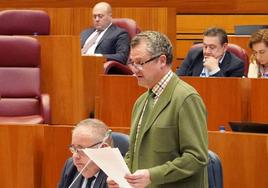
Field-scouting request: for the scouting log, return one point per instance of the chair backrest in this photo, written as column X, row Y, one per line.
column 235, row 49
column 20, row 80
column 113, row 67
column 121, row 141
column 215, row 177
column 128, row 24
column 24, row 22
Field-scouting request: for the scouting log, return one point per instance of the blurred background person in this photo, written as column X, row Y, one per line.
column 258, row 42
column 105, row 38
column 213, row 59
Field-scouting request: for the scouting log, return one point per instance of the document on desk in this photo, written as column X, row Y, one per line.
column 111, row 162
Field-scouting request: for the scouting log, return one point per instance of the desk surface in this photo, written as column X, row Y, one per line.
column 37, row 153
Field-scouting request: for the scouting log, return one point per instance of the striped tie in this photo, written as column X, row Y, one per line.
column 91, row 42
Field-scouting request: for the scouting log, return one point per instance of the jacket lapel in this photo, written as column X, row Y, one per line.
column 161, row 104
column 78, row 182
column 106, row 34
column 136, row 118
column 99, row 181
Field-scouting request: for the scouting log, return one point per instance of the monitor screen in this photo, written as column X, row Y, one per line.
column 251, row 127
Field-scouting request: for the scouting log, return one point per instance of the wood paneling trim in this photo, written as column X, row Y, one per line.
column 196, row 24
column 181, row 6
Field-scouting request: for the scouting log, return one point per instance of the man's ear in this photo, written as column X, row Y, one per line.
column 225, row 45
column 104, row 145
column 163, row 60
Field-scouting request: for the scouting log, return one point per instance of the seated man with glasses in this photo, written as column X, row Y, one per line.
column 168, row 138
column 89, row 133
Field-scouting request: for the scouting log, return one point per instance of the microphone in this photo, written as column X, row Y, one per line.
column 108, row 134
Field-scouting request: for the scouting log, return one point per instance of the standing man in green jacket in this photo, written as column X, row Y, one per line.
column 168, row 138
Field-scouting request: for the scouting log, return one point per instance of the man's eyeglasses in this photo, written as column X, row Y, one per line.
column 78, row 149
column 140, row 65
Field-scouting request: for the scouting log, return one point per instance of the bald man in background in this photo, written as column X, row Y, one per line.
column 105, row 38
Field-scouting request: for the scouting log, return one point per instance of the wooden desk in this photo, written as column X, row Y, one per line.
column 225, row 99
column 116, row 97
column 62, row 77
column 68, row 78
column 258, row 109
column 55, row 152
column 21, row 156
column 34, row 155
column 92, row 68
column 244, row 158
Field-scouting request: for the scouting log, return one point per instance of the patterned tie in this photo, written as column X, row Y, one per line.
column 89, row 181
column 91, row 42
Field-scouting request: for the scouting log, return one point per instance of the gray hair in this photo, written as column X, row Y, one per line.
column 156, row 42
column 96, row 128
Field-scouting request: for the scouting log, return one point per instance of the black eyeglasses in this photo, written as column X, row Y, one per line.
column 140, row 65
column 78, row 150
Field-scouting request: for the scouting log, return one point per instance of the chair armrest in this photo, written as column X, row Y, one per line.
column 114, row 67
column 45, row 107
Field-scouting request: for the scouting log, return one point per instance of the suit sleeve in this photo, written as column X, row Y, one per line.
column 62, row 182
column 184, row 69
column 193, row 148
column 236, row 69
column 122, row 46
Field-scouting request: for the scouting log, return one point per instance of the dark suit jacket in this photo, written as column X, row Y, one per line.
column 70, row 172
column 231, row 66
column 114, row 44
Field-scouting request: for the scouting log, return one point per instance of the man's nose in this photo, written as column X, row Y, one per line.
column 76, row 156
column 207, row 50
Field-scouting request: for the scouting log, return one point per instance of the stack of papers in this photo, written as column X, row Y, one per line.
column 111, row 162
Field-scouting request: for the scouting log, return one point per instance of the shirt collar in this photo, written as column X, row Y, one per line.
column 161, row 85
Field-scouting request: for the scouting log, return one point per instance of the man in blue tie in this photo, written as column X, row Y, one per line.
column 213, row 60
column 89, row 133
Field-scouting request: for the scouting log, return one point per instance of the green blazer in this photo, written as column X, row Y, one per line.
column 173, row 143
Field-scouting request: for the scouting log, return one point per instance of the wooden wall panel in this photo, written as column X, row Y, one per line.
column 182, row 6
column 196, row 24
column 73, row 20
column 229, row 103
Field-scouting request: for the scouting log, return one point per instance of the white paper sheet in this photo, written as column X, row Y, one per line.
column 111, row 162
